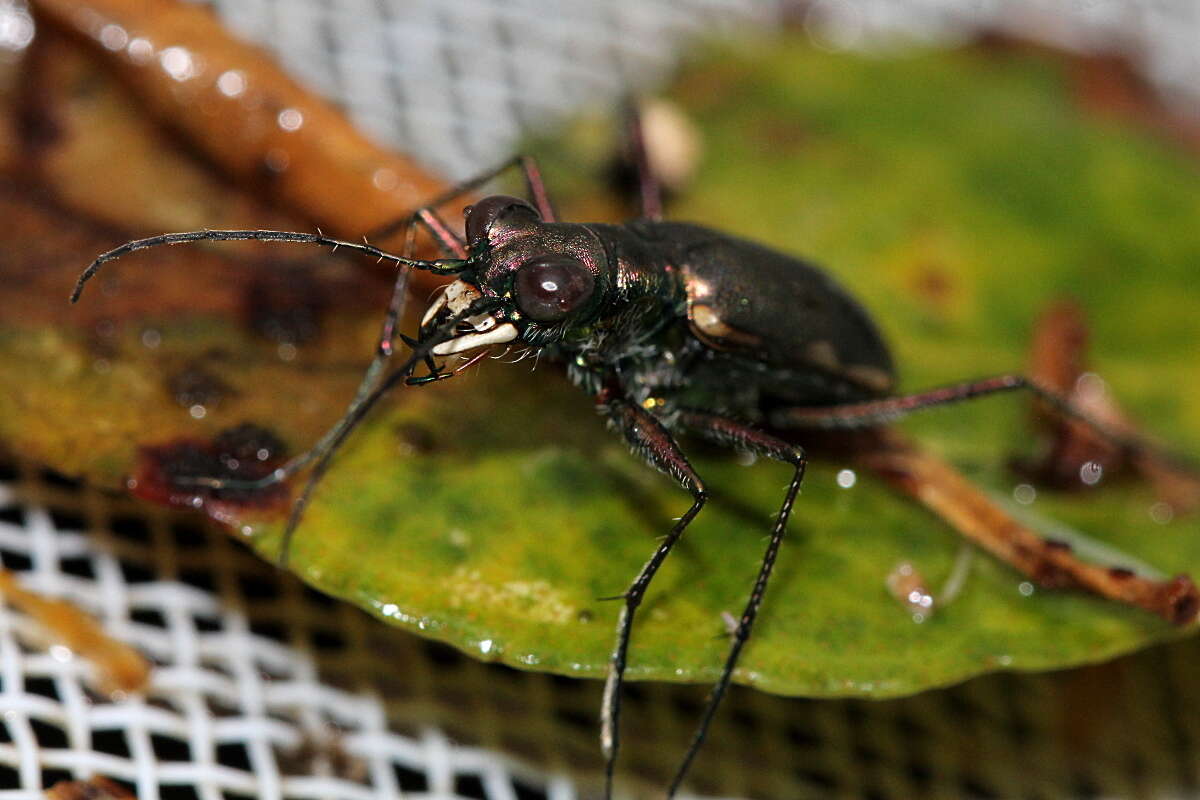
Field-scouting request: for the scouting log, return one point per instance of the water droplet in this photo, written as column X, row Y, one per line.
column 1025, row 588
column 385, row 179
column 846, row 478
column 140, row 50
column 485, row 646
column 1091, row 473
column 290, row 119
column 114, row 37
column 16, row 27
column 1024, row 494
column 198, row 411
column 287, row 351
column 231, row 83
column 178, row 63
column 151, row 338
column 1162, row 513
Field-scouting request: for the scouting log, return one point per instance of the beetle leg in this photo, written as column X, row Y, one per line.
column 533, row 181
column 879, row 412
column 651, row 440
column 649, row 189
column 731, row 433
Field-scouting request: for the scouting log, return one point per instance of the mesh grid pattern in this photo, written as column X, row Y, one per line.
column 265, row 689
column 228, row 710
column 456, row 83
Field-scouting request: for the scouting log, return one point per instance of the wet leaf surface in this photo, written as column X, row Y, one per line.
column 957, row 195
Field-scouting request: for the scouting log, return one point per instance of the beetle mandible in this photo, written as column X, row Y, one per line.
column 671, row 327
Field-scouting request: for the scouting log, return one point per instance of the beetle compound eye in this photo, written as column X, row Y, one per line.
column 481, row 215
column 550, row 287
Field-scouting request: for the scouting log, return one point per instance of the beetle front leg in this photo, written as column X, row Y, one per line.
column 649, row 439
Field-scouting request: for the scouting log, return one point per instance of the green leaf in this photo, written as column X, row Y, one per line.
column 956, row 194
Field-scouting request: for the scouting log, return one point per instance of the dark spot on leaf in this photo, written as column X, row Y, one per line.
column 249, row 442
column 194, row 385
column 417, row 438
column 286, row 306
column 171, row 473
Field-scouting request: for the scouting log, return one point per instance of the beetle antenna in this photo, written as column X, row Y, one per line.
column 445, row 266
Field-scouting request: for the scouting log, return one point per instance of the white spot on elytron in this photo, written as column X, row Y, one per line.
column 1162, row 513
column 1024, row 494
column 485, row 646
column 140, row 50
column 846, row 478
column 287, row 351
column 1025, row 588
column 1091, row 473
column 385, row 179
column 114, row 37
column 151, row 338
column 262, row 454
column 198, row 411
column 290, row 119
column 61, row 653
column 231, row 83
column 178, row 63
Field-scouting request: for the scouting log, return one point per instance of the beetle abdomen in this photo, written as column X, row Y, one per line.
column 748, row 299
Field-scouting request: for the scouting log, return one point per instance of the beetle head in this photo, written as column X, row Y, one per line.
column 546, row 280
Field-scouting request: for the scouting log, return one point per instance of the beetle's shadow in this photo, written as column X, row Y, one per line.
column 657, row 515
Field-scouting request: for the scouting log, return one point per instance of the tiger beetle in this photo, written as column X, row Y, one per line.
column 670, row 327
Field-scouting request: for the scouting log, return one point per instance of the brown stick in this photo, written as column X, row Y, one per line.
column 1058, row 360
column 235, row 105
column 1050, row 563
